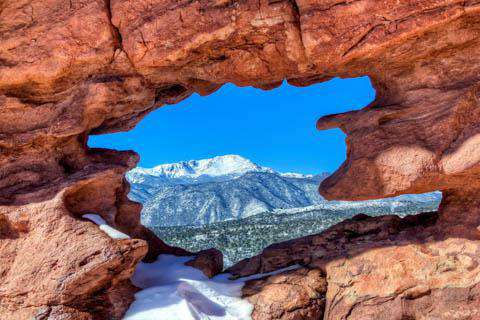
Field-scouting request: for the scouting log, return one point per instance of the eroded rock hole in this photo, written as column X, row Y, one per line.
column 241, row 204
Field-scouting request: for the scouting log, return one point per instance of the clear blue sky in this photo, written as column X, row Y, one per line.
column 272, row 128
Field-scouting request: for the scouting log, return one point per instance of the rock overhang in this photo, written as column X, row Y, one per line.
column 147, row 54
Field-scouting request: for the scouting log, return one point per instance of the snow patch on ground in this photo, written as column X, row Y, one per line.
column 174, row 291
column 102, row 224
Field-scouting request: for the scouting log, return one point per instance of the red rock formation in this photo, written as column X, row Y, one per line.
column 69, row 69
column 209, row 261
column 383, row 268
column 296, row 294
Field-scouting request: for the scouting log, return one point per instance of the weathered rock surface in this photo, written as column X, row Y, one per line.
column 296, row 294
column 54, row 261
column 419, row 267
column 69, row 69
column 209, row 261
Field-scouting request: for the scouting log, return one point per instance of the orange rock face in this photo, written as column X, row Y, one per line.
column 382, row 268
column 209, row 261
column 69, row 69
column 296, row 294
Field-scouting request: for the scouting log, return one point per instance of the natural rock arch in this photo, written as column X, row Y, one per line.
column 71, row 69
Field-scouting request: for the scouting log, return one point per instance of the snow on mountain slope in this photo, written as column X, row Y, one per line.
column 199, row 192
column 222, row 188
column 219, row 168
column 252, row 193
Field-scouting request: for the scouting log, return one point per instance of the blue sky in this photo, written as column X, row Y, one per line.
column 273, row 128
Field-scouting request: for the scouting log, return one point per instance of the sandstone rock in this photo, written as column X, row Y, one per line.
column 417, row 267
column 61, row 313
column 51, row 258
column 209, row 261
column 69, row 69
column 296, row 294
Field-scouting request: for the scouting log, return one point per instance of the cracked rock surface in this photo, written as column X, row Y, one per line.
column 69, row 69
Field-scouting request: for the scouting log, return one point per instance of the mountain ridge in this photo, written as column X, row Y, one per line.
column 219, row 168
column 198, row 192
column 230, row 187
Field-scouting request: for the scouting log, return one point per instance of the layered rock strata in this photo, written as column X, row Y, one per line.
column 69, row 69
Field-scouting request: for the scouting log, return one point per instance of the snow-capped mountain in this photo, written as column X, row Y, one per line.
column 219, row 168
column 217, row 189
column 199, row 192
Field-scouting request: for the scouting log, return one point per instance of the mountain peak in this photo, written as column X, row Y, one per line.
column 225, row 164
column 220, row 167
column 216, row 166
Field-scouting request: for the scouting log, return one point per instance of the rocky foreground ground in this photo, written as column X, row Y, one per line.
column 369, row 268
column 69, row 69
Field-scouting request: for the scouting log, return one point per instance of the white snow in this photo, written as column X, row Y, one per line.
column 102, row 224
column 227, row 187
column 296, row 175
column 174, row 291
column 218, row 168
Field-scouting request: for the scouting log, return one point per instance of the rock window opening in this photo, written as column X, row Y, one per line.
column 263, row 161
